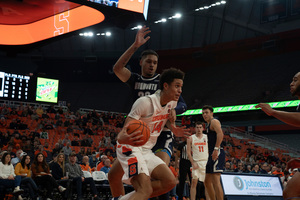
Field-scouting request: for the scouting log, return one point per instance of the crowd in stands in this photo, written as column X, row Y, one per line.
column 56, row 148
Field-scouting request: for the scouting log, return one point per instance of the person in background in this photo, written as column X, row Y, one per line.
column 76, row 174
column 85, row 166
column 107, row 166
column 23, row 169
column 18, row 157
column 42, row 176
column 101, row 164
column 59, row 173
column 8, row 177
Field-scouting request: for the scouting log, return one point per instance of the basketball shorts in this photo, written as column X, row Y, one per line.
column 200, row 172
column 164, row 143
column 217, row 166
column 136, row 160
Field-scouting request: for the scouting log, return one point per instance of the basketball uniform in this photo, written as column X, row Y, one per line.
column 200, row 156
column 142, row 86
column 136, row 160
column 217, row 166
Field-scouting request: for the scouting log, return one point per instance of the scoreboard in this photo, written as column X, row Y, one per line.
column 14, row 86
column 18, row 87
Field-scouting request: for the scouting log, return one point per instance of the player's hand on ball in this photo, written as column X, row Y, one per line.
column 131, row 139
column 181, row 131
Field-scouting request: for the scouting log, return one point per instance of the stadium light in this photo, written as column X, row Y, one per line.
column 177, row 16
column 108, row 34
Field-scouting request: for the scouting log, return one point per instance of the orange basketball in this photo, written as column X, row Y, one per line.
column 138, row 125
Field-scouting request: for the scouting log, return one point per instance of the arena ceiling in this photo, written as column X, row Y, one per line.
column 230, row 21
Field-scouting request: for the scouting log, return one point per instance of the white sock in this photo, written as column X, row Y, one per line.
column 127, row 196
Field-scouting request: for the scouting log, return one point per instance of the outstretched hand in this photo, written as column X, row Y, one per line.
column 266, row 108
column 140, row 36
column 181, row 131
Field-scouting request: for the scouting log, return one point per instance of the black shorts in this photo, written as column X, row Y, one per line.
column 217, row 166
column 164, row 143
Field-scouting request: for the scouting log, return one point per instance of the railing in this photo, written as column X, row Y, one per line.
column 265, row 142
column 14, row 104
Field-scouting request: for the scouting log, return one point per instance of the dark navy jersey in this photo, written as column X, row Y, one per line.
column 142, row 86
column 212, row 138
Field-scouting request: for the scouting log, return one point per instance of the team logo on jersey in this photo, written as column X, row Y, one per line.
column 132, row 167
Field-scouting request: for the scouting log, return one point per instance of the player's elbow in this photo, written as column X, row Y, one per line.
column 116, row 69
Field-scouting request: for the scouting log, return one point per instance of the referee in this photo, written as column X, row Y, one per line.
column 184, row 167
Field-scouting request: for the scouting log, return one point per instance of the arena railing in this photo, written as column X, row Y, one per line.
column 261, row 141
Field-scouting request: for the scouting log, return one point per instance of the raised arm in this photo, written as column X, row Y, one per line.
column 119, row 68
column 291, row 118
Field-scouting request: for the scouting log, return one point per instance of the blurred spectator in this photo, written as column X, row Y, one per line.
column 228, row 167
column 67, row 150
column 107, row 166
column 101, row 164
column 19, row 156
column 240, row 168
column 264, row 169
column 66, row 140
column 85, row 166
column 255, row 169
column 56, row 149
column 278, row 171
column 41, row 150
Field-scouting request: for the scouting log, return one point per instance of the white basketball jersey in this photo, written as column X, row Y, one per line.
column 200, row 148
column 153, row 114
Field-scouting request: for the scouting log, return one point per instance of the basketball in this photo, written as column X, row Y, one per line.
column 138, row 125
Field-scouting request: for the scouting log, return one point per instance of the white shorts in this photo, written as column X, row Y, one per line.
column 136, row 160
column 200, row 172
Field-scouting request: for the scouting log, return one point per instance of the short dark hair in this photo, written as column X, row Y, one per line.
column 199, row 123
column 168, row 76
column 148, row 52
column 209, row 107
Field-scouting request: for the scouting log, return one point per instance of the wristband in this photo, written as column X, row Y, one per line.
column 216, row 148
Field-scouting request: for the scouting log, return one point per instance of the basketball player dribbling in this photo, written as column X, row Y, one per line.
column 144, row 84
column 292, row 190
column 197, row 144
column 216, row 160
column 140, row 163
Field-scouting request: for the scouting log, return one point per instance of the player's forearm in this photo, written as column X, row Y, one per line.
column 190, row 158
column 125, row 57
column 291, row 118
column 220, row 136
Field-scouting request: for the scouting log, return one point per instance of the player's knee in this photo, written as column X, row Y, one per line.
column 194, row 184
